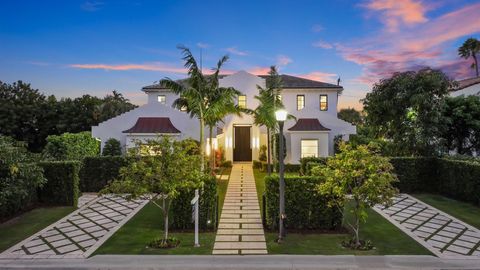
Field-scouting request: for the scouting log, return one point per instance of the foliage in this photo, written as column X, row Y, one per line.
column 19, row 177
column 351, row 116
column 360, row 174
column 62, row 186
column 461, row 116
column 277, row 147
column 30, row 116
column 415, row 174
column 200, row 94
column 226, row 164
column 159, row 173
column 304, row 170
column 97, row 172
column 257, row 164
column 164, row 243
column 112, row 147
column 406, row 110
column 71, row 146
column 305, row 208
column 470, row 48
column 262, row 156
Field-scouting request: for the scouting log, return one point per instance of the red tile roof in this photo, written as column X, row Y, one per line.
column 153, row 125
column 308, row 124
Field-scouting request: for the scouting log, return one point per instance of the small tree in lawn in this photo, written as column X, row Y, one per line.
column 160, row 168
column 357, row 174
column 112, row 148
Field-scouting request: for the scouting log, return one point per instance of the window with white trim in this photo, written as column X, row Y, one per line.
column 242, row 101
column 300, row 102
column 162, row 99
column 308, row 148
column 323, row 102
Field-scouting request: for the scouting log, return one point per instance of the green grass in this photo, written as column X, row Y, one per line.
column 466, row 212
column 21, row 227
column 146, row 225
column 222, row 188
column 260, row 185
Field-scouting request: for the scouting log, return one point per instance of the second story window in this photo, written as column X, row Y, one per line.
column 300, row 102
column 323, row 102
column 242, row 101
column 162, row 99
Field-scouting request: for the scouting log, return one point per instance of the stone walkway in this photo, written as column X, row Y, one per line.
column 442, row 234
column 240, row 230
column 80, row 233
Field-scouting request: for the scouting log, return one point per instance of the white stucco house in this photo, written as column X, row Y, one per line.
column 467, row 87
column 313, row 103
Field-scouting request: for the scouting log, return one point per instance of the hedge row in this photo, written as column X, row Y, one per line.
column 182, row 209
column 456, row 179
column 293, row 168
column 97, row 172
column 307, row 163
column 305, row 208
column 62, row 186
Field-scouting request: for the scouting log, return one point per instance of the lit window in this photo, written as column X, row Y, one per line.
column 242, row 101
column 279, row 97
column 300, row 102
column 309, row 148
column 323, row 102
column 162, row 99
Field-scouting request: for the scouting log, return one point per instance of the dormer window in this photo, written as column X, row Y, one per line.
column 242, row 101
column 323, row 102
column 300, row 102
column 162, row 99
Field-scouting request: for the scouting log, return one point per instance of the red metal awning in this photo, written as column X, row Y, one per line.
column 308, row 124
column 153, row 125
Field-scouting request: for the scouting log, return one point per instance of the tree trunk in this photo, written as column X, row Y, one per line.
column 212, row 151
column 274, row 152
column 269, row 153
column 357, row 226
column 165, row 219
column 476, row 63
column 202, row 143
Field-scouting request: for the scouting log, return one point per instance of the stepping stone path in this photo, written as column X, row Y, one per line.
column 442, row 234
column 80, row 233
column 240, row 230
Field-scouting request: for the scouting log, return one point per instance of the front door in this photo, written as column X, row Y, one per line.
column 242, row 150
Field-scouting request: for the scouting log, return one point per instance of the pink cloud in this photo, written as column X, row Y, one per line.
column 122, row 67
column 320, row 76
column 322, row 44
column 259, row 70
column 395, row 12
column 234, row 50
column 283, row 60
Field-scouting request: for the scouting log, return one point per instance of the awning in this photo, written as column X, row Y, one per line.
column 153, row 125
column 308, row 124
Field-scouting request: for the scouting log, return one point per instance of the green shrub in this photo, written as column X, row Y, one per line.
column 290, row 168
column 112, row 147
column 97, row 172
column 226, row 164
column 182, row 209
column 304, row 161
column 262, row 156
column 19, row 178
column 257, row 164
column 62, row 186
column 304, row 207
column 415, row 174
column 71, row 146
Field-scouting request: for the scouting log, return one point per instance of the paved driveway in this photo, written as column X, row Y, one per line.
column 442, row 234
column 79, row 234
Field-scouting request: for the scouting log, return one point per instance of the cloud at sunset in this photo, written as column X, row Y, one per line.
column 235, row 51
column 320, row 76
column 395, row 13
column 322, row 44
column 123, row 67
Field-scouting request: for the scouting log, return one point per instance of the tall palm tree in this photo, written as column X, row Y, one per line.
column 269, row 101
column 470, row 48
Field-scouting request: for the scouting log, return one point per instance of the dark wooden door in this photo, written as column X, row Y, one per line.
column 242, row 150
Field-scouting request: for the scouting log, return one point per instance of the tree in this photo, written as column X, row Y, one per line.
column 470, row 48
column 160, row 168
column 406, row 110
column 112, row 147
column 195, row 94
column 113, row 105
column 461, row 117
column 360, row 175
column 19, row 177
column 269, row 99
column 350, row 115
column 71, row 146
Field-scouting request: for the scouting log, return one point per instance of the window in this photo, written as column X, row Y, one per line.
column 242, row 101
column 279, row 97
column 162, row 99
column 323, row 102
column 309, row 148
column 300, row 102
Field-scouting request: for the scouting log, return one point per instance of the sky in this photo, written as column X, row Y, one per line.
column 71, row 48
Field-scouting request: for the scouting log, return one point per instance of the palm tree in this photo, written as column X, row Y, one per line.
column 269, row 101
column 199, row 93
column 470, row 48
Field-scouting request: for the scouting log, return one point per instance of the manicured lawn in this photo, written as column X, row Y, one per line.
column 146, row 225
column 222, row 188
column 21, row 227
column 260, row 185
column 466, row 212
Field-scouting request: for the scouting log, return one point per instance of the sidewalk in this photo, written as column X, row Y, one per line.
column 244, row 262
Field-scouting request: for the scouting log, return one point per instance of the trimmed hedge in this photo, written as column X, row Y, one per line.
column 62, row 186
column 97, row 172
column 304, row 163
column 306, row 209
column 456, row 179
column 257, row 164
column 182, row 210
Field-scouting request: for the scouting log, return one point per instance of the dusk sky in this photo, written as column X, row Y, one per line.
column 71, row 48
